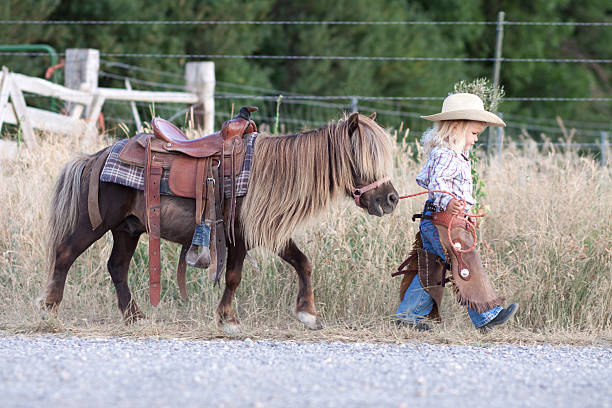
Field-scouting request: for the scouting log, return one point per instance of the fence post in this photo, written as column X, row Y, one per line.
column 200, row 79
column 498, row 47
column 137, row 121
column 354, row 105
column 20, row 108
column 499, row 40
column 4, row 94
column 81, row 72
column 500, row 138
column 603, row 147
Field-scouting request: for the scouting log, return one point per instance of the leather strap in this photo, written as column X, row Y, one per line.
column 93, row 206
column 180, row 272
column 219, row 240
column 210, row 220
column 153, row 174
column 230, row 222
column 201, row 167
column 403, row 268
column 445, row 218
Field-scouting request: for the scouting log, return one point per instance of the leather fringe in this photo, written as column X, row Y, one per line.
column 411, row 264
column 479, row 307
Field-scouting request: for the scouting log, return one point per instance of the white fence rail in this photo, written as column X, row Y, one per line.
column 84, row 99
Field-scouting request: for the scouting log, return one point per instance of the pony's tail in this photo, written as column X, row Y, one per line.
column 64, row 205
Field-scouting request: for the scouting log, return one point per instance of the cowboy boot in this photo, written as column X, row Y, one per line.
column 198, row 257
column 198, row 254
column 503, row 316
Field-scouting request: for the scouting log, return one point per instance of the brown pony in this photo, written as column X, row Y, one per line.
column 293, row 179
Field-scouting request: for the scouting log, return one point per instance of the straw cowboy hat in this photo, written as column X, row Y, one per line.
column 465, row 106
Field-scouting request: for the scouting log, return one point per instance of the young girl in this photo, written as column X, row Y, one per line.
column 448, row 168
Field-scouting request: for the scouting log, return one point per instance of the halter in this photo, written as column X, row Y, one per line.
column 359, row 191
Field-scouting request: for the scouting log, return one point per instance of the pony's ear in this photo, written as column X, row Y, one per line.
column 353, row 122
column 373, row 115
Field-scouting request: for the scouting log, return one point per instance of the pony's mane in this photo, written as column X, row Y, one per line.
column 295, row 177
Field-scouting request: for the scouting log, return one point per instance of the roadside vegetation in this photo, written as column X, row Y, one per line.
column 546, row 244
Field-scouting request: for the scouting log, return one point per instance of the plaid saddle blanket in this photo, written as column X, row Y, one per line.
column 115, row 171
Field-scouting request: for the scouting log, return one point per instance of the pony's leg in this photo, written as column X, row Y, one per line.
column 226, row 319
column 65, row 255
column 305, row 308
column 70, row 246
column 124, row 245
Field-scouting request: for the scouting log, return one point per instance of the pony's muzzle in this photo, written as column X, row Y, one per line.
column 392, row 199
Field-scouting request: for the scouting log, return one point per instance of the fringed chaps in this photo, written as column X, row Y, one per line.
column 477, row 292
column 430, row 269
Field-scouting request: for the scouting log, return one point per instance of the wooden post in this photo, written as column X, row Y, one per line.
column 128, row 86
column 81, row 72
column 4, row 94
column 498, row 48
column 354, row 104
column 603, row 148
column 500, row 138
column 20, row 108
column 200, row 80
column 499, row 40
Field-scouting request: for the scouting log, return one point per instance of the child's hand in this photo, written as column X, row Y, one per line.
column 455, row 207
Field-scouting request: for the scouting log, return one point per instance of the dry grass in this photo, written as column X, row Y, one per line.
column 547, row 245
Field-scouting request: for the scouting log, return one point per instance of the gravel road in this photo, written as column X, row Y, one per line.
column 49, row 371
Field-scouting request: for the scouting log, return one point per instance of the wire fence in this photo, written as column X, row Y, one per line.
column 297, row 111
column 250, row 22
column 308, row 110
column 324, row 57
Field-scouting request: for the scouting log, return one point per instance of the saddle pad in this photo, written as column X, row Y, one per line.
column 118, row 172
column 242, row 180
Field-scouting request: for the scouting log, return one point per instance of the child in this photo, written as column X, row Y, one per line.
column 448, row 168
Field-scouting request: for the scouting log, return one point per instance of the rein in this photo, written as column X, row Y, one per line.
column 472, row 227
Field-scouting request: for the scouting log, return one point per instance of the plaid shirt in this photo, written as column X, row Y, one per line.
column 447, row 170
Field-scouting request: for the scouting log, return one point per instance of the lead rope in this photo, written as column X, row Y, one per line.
column 453, row 216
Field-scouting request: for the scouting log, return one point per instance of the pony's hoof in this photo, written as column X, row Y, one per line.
column 130, row 318
column 45, row 307
column 309, row 320
column 40, row 302
column 132, row 313
column 48, row 315
column 230, row 328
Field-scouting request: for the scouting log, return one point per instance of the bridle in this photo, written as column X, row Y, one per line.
column 359, row 191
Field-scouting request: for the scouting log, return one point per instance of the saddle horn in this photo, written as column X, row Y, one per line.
column 245, row 112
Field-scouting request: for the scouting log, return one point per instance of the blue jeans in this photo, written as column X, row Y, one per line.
column 417, row 303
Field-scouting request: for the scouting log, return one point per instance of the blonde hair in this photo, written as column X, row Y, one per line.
column 445, row 133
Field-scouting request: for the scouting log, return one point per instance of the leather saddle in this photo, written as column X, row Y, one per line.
column 197, row 168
